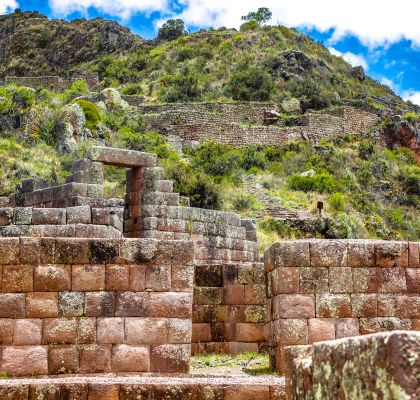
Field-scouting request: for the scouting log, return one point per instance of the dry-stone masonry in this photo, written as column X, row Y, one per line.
column 377, row 366
column 242, row 124
column 329, row 289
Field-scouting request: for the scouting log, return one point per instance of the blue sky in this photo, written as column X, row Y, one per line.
column 383, row 37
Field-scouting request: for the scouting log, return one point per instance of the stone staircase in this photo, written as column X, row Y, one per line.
column 272, row 205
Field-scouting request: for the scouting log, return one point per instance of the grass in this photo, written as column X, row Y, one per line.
column 253, row 364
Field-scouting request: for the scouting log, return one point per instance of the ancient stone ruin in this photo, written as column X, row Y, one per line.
column 117, row 287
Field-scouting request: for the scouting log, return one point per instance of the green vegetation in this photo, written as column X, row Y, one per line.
column 91, row 113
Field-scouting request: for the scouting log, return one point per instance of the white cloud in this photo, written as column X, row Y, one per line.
column 123, row 9
column 351, row 58
column 412, row 95
column 8, row 5
column 375, row 22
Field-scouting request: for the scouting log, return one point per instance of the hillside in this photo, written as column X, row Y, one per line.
column 31, row 44
column 369, row 180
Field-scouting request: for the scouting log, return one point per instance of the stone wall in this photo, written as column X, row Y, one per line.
column 241, row 124
column 229, row 308
column 378, row 366
column 54, row 82
column 329, row 289
column 95, row 306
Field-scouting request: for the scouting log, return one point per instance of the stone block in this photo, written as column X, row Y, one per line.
column 230, row 274
column 12, row 305
column 393, row 280
column 101, row 391
column 95, row 359
column 170, row 305
column 340, row 280
column 101, row 216
column 18, row 278
column 247, row 392
column 45, row 391
column 42, row 305
column 146, row 331
column 179, row 331
column 364, row 305
column 375, row 325
column 413, row 280
column 361, row 253
column 387, row 305
column 255, row 294
column 293, row 306
column 110, row 330
column 24, row 360
column 321, row 329
column 59, row 331
column 209, row 275
column 6, row 331
column 287, row 254
column 233, row 294
column 242, row 347
column 127, row 358
column 158, row 278
column 29, row 250
column 367, row 280
column 27, row 332
column 250, row 332
column 172, row 358
column 6, row 216
column 104, row 251
column 254, row 314
column 285, row 280
column 22, row 216
column 182, row 278
column 391, row 254
column 313, row 280
column 175, row 253
column 71, row 251
column 207, row 295
column 86, row 331
column 333, row 306
column 117, row 277
column 288, row 332
column 414, row 255
column 346, row 327
column 201, row 332
column 407, row 306
column 71, row 304
column 79, row 215
column 87, row 278
column 63, row 360
column 132, row 304
column 328, row 253
column 121, row 157
column 100, row 304
column 49, row 216
column 137, row 278
column 52, row 278
column 16, row 391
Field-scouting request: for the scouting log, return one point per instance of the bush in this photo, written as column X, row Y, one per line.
column 337, row 201
column 181, row 87
column 78, row 88
column 250, row 84
column 93, row 117
column 411, row 117
column 410, row 178
column 132, row 89
column 243, row 202
column 253, row 157
column 323, row 182
column 249, row 26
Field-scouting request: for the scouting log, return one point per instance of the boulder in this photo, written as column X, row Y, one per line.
column 359, row 73
column 112, row 99
column 71, row 128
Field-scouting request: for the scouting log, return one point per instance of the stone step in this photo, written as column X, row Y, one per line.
column 165, row 186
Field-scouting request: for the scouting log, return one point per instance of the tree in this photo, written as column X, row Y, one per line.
column 172, row 29
column 261, row 16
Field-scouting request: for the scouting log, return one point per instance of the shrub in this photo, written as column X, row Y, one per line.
column 182, row 87
column 253, row 157
column 243, row 202
column 132, row 89
column 337, row 201
column 410, row 178
column 78, row 88
column 249, row 26
column 411, row 117
column 92, row 114
column 323, row 182
column 250, row 84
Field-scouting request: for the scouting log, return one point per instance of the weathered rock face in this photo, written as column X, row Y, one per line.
column 112, row 99
column 71, row 128
column 359, row 73
column 379, row 366
column 291, row 106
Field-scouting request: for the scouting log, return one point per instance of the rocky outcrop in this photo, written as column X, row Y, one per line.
column 380, row 366
column 359, row 73
column 71, row 128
